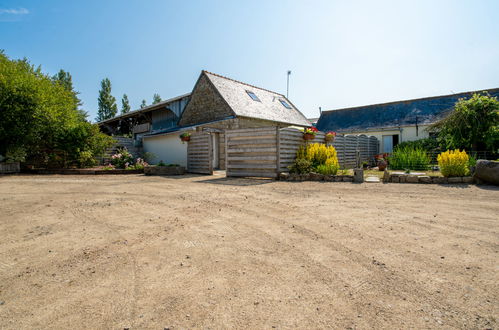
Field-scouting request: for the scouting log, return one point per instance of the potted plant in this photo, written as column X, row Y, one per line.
column 185, row 137
column 309, row 133
column 330, row 136
column 381, row 161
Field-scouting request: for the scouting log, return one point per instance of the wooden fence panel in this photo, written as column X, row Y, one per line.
column 346, row 147
column 265, row 152
column 252, row 152
column 199, row 153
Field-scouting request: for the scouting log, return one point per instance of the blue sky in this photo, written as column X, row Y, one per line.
column 341, row 53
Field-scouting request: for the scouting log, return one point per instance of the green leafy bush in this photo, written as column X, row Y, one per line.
column 408, row 157
column 16, row 154
column 86, row 159
column 472, row 125
column 301, row 166
column 39, row 114
column 327, row 169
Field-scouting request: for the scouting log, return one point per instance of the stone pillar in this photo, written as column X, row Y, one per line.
column 358, row 175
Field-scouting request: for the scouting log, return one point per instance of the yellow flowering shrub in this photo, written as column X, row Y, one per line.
column 323, row 158
column 453, row 163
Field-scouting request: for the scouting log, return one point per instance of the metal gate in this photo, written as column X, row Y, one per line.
column 200, row 153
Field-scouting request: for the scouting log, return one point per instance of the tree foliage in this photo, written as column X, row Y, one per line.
column 125, row 104
column 473, row 125
column 156, row 98
column 107, row 102
column 65, row 79
column 39, row 118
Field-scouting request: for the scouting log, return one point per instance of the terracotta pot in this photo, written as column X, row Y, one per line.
column 329, row 139
column 308, row 136
column 382, row 165
column 185, row 138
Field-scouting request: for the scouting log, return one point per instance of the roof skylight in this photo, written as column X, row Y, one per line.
column 285, row 104
column 253, row 96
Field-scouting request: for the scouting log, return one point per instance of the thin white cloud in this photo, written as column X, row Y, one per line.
column 13, row 11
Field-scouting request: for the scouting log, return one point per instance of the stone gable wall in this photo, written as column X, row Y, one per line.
column 205, row 105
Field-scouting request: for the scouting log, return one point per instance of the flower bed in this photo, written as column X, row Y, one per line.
column 315, row 177
column 89, row 171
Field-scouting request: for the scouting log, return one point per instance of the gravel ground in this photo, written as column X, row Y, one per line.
column 129, row 251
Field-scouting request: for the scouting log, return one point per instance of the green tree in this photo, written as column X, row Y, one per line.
column 125, row 104
column 107, row 102
column 156, row 98
column 143, row 104
column 472, row 125
column 65, row 80
column 37, row 116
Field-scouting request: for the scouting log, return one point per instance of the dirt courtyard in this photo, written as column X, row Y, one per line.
column 129, row 251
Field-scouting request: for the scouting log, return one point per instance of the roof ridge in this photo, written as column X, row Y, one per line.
column 243, row 83
column 412, row 100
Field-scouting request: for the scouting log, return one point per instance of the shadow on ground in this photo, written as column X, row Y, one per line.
column 237, row 181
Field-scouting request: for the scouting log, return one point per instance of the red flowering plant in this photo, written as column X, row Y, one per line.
column 309, row 133
column 330, row 136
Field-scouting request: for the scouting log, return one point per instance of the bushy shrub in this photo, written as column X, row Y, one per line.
column 474, row 124
column 16, row 154
column 40, row 115
column 86, row 159
column 409, row 158
column 453, row 163
column 122, row 159
column 301, row 166
column 316, row 156
column 139, row 165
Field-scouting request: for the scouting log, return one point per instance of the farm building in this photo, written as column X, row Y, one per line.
column 393, row 122
column 216, row 103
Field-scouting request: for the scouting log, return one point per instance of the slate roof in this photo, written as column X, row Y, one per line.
column 269, row 107
column 422, row 111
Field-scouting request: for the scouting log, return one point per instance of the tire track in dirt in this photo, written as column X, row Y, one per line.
column 387, row 285
column 79, row 213
column 313, row 266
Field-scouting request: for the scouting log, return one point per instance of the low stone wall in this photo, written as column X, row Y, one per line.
column 408, row 178
column 83, row 171
column 315, row 177
column 164, row 170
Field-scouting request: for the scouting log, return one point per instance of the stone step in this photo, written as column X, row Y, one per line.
column 372, row 179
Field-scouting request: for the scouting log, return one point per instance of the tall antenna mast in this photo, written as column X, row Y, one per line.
column 287, row 88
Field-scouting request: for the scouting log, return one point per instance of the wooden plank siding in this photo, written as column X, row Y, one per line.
column 199, row 153
column 251, row 152
column 265, row 152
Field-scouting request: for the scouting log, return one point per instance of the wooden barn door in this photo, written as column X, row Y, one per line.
column 200, row 153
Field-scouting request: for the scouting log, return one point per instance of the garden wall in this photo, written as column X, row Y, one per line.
column 265, row 152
